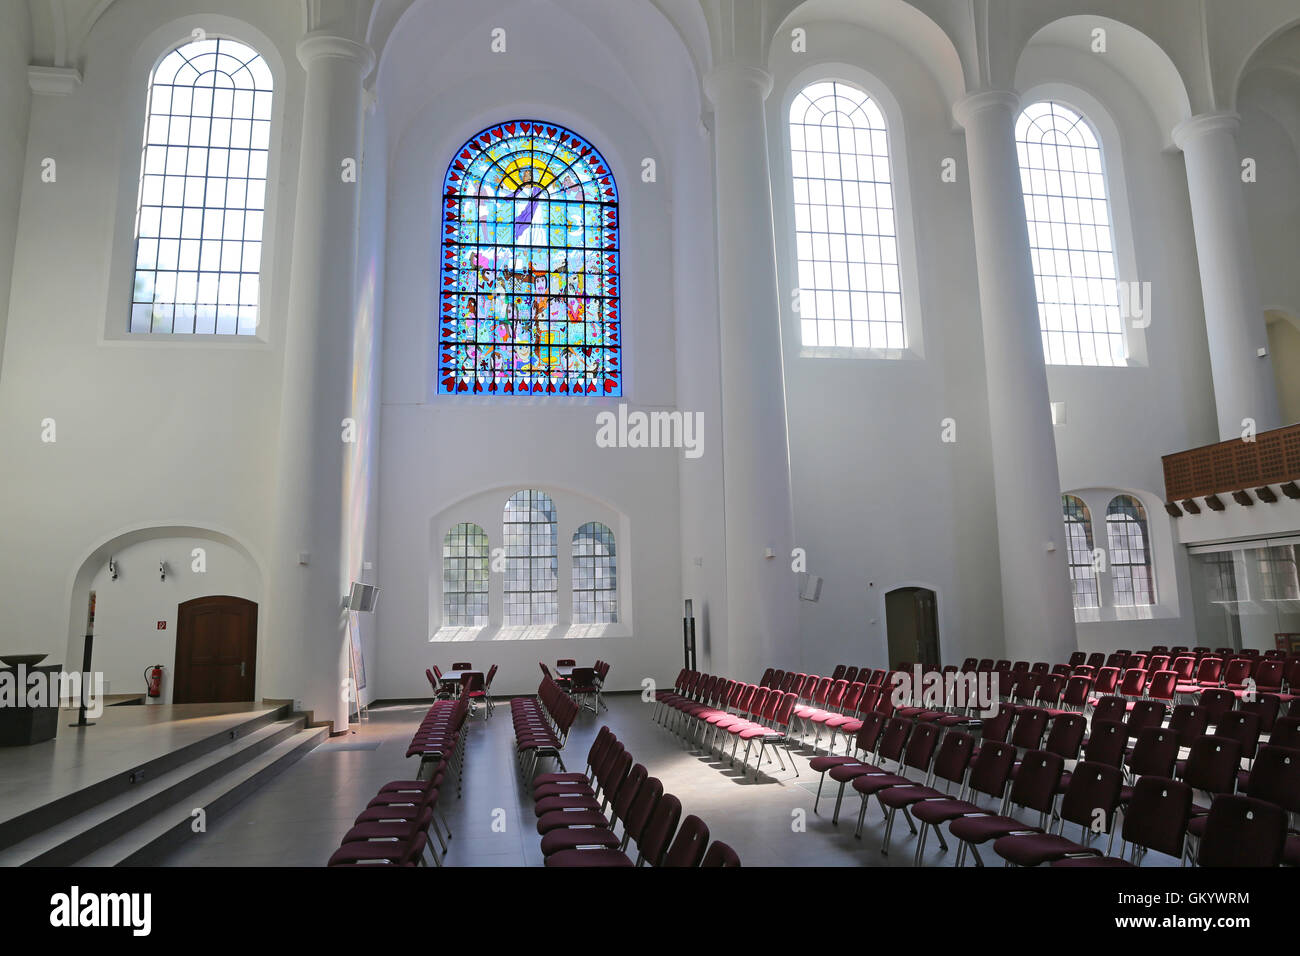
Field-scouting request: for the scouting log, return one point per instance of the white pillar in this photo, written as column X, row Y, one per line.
column 307, row 637
column 1037, row 607
column 1234, row 317
column 762, row 592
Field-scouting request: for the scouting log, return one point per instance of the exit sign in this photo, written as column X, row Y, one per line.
column 162, row 625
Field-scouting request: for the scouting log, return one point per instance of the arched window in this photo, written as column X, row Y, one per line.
column 850, row 294
column 595, row 575
column 1078, row 542
column 198, row 226
column 1130, row 552
column 465, row 576
column 1070, row 237
column 529, row 297
column 532, row 560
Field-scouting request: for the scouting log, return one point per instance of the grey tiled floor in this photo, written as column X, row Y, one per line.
column 298, row 818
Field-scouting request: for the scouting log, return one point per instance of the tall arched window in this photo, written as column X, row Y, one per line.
column 532, row 586
column 198, row 226
column 850, row 293
column 465, row 576
column 1078, row 542
column 1070, row 237
column 595, row 575
column 1130, row 552
column 529, row 297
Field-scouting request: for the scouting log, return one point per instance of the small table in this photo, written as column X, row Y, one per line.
column 453, row 677
column 565, row 670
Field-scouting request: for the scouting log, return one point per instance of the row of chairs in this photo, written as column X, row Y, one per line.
column 579, row 814
column 1109, row 776
column 394, row 829
column 703, row 709
column 542, row 725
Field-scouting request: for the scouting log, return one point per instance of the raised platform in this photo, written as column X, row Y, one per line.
column 127, row 787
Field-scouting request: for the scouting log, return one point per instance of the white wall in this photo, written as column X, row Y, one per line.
column 438, row 451
column 127, row 610
column 880, row 501
column 148, row 432
column 15, row 99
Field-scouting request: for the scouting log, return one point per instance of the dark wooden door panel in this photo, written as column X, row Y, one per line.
column 216, row 650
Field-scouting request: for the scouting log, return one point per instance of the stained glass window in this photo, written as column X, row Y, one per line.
column 846, row 235
column 1078, row 542
column 198, row 228
column 465, row 576
column 1130, row 552
column 532, row 586
column 529, row 294
column 595, row 575
column 1070, row 238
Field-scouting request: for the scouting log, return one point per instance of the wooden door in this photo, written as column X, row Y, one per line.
column 912, row 627
column 216, row 651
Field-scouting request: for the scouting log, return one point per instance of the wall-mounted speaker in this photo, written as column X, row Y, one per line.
column 364, row 597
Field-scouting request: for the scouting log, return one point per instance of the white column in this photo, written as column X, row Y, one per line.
column 307, row 639
column 762, row 592
column 1234, row 317
column 1037, row 607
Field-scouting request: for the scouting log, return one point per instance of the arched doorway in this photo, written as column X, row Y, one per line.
column 912, row 623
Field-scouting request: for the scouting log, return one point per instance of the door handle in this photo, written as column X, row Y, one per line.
column 242, row 665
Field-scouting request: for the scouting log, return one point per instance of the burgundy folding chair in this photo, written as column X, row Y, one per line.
column 1156, row 820
column 893, row 741
column 1034, row 789
column 949, row 765
column 1188, row 721
column 1145, row 713
column 1211, row 767
column 864, row 744
column 1154, row 754
column 1133, row 682
column 1217, row 701
column 917, row 756
column 1093, row 787
column 687, row 849
column 1242, row 831
column 1285, row 733
column 719, row 855
column 1106, row 681
column 988, row 777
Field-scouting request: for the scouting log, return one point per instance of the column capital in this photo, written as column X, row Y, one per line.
column 1197, row 126
column 735, row 75
column 964, row 110
column 319, row 44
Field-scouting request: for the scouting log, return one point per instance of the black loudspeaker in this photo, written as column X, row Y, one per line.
column 364, row 597
column 688, row 637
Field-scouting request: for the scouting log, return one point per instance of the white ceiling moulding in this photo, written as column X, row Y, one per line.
column 53, row 80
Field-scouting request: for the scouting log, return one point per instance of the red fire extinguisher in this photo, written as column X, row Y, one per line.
column 153, row 680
